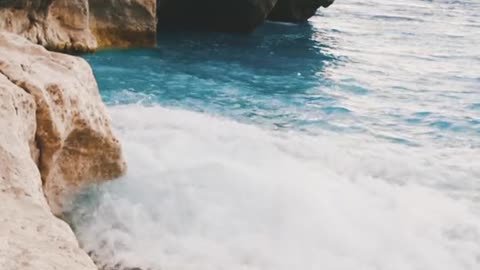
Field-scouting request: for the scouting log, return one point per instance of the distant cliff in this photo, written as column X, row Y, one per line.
column 86, row 25
column 81, row 25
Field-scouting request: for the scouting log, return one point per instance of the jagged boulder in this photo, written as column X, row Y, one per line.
column 297, row 10
column 73, row 134
column 213, row 15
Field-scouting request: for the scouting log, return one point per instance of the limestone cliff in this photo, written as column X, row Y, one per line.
column 123, row 23
column 81, row 25
column 55, row 138
column 60, row 25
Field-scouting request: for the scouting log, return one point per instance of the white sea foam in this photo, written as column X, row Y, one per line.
column 207, row 193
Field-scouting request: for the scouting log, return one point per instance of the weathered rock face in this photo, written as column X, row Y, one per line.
column 31, row 237
column 214, row 15
column 123, row 23
column 73, row 134
column 76, row 25
column 60, row 25
column 51, row 118
column 297, row 10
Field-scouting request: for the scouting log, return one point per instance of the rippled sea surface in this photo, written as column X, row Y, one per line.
column 349, row 142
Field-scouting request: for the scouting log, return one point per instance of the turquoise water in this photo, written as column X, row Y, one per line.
column 350, row 142
column 401, row 76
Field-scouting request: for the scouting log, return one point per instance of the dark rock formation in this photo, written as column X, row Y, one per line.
column 213, row 15
column 297, row 10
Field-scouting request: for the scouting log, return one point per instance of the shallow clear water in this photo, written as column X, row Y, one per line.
column 351, row 142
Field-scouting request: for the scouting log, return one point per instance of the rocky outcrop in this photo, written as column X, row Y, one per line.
column 123, row 23
column 213, row 15
column 297, row 10
column 55, row 138
column 73, row 132
column 81, row 25
column 31, row 237
column 85, row 25
column 60, row 25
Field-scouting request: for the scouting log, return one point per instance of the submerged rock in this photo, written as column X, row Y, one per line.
column 297, row 10
column 213, row 15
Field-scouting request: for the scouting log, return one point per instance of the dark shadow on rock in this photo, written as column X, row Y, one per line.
column 213, row 15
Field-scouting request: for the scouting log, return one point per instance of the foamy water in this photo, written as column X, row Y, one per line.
column 352, row 142
column 209, row 193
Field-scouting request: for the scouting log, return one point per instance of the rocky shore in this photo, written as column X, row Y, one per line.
column 55, row 133
column 55, row 138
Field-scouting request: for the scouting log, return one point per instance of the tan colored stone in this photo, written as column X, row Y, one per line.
column 31, row 237
column 123, row 23
column 67, row 25
column 73, row 133
column 61, row 25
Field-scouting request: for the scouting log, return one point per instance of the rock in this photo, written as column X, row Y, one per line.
column 297, row 10
column 213, row 15
column 31, row 237
column 60, row 25
column 124, row 23
column 77, row 25
column 73, row 134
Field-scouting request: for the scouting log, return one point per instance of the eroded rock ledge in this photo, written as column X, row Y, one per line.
column 81, row 25
column 55, row 138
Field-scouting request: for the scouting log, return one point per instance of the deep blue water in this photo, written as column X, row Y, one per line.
column 348, row 142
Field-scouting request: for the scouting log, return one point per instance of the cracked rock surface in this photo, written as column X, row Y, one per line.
column 55, row 139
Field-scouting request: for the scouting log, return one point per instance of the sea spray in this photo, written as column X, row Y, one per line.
column 348, row 142
column 209, row 193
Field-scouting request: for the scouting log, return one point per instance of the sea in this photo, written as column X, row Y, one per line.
column 351, row 142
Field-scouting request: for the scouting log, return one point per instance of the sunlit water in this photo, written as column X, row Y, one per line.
column 351, row 142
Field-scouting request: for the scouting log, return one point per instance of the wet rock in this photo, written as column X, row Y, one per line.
column 297, row 10
column 60, row 25
column 213, row 15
